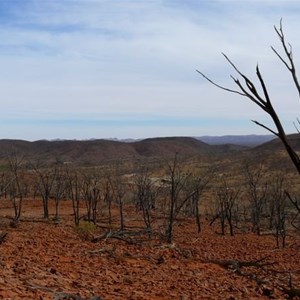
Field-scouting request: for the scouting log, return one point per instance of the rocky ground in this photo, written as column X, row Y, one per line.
column 48, row 260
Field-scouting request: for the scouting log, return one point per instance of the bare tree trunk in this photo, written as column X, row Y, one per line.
column 16, row 186
column 59, row 190
column 226, row 197
column 45, row 182
column 197, row 214
column 118, row 187
column 74, row 193
column 145, row 194
column 279, row 199
column 176, row 182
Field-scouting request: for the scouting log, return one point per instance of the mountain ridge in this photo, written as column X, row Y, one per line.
column 248, row 140
column 251, row 140
column 94, row 152
column 103, row 151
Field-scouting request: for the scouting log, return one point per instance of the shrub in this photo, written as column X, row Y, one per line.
column 85, row 230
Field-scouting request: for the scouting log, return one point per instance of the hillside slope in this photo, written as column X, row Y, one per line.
column 94, row 152
column 242, row 140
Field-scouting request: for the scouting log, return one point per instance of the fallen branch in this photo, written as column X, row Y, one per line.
column 3, row 237
column 33, row 286
column 291, row 292
column 118, row 235
column 120, row 238
column 104, row 236
column 66, row 296
column 110, row 252
column 236, row 265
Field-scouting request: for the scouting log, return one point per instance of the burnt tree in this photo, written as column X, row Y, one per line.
column 146, row 191
column 247, row 88
column 45, row 181
column 17, row 186
column 257, row 192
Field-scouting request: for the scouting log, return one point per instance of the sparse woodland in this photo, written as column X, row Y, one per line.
column 141, row 207
column 223, row 226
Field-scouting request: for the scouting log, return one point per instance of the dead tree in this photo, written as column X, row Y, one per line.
column 45, row 181
column 5, row 180
column 74, row 192
column 59, row 189
column 256, row 189
column 248, row 89
column 278, row 199
column 226, row 201
column 195, row 187
column 176, row 180
column 119, row 189
column 108, row 198
column 146, row 192
column 175, row 183
column 91, row 192
column 16, row 186
column 296, row 203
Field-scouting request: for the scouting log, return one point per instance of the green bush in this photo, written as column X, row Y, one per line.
column 85, row 230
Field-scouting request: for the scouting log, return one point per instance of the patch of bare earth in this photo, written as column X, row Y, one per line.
column 42, row 260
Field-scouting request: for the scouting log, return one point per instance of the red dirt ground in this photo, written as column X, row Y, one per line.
column 39, row 260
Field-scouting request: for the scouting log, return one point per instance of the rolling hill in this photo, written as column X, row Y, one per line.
column 242, row 140
column 97, row 152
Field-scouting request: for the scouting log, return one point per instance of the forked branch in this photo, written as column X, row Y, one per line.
column 248, row 89
column 288, row 51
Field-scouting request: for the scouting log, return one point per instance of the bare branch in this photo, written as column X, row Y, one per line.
column 296, row 127
column 262, row 83
column 265, row 127
column 289, row 55
column 249, row 90
column 219, row 86
column 280, row 57
column 257, row 98
column 248, row 82
column 233, row 65
column 260, row 103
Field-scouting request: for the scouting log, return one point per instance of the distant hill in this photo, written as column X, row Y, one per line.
column 242, row 140
column 276, row 144
column 98, row 152
column 95, row 152
column 169, row 145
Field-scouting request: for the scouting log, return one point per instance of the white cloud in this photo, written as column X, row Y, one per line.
column 103, row 59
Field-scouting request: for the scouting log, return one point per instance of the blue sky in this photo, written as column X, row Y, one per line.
column 119, row 68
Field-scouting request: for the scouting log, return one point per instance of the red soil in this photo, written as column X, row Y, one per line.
column 39, row 260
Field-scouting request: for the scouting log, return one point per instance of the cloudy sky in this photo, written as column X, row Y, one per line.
column 80, row 69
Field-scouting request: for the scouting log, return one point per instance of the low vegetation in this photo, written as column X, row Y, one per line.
column 120, row 212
